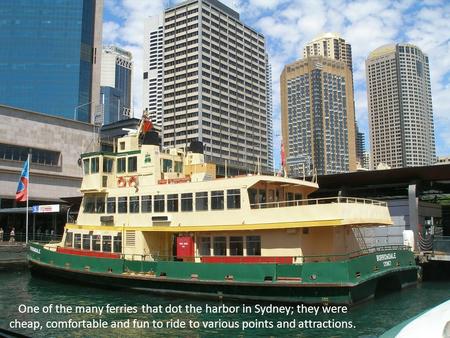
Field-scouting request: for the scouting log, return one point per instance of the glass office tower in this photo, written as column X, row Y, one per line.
column 48, row 59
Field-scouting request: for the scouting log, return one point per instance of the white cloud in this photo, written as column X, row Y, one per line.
column 110, row 31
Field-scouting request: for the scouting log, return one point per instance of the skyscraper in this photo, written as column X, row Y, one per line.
column 269, row 112
column 400, row 108
column 214, row 83
column 117, row 66
column 333, row 46
column 153, row 68
column 330, row 45
column 359, row 145
column 50, row 56
column 318, row 119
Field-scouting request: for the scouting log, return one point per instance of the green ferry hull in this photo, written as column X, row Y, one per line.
column 315, row 282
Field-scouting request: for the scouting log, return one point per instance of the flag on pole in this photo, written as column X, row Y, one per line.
column 283, row 159
column 22, row 188
column 148, row 125
column 283, row 155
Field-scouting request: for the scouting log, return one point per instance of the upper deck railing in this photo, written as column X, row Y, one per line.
column 314, row 201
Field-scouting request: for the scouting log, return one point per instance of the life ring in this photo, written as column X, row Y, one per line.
column 121, row 182
column 132, row 181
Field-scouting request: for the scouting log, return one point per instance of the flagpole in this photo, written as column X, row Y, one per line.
column 28, row 192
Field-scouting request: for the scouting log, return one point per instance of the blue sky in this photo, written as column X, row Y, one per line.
column 289, row 24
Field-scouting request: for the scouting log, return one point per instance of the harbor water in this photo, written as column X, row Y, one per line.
column 369, row 319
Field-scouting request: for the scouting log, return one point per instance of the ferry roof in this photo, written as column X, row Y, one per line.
column 253, row 179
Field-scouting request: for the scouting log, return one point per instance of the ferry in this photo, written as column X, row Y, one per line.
column 160, row 220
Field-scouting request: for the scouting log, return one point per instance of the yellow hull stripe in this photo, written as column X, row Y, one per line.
column 235, row 227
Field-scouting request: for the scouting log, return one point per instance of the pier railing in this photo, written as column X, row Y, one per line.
column 268, row 259
column 38, row 237
column 313, row 201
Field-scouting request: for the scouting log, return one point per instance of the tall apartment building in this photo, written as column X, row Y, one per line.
column 152, row 88
column 333, row 46
column 400, row 108
column 360, row 149
column 330, row 45
column 50, row 56
column 214, row 84
column 115, row 81
column 269, row 112
column 318, row 118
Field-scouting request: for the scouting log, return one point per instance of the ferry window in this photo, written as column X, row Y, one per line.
column 111, row 205
column 236, row 246
column 96, row 242
column 121, row 165
column 146, row 203
column 117, row 243
column 252, row 193
column 201, row 201
column 134, row 204
column 158, row 205
column 205, row 246
column 86, row 242
column 69, row 240
column 94, row 165
column 262, row 196
column 220, row 246
column 77, row 241
column 253, row 245
column 217, row 200
column 178, row 166
column 289, row 197
column 86, row 166
column 108, row 165
column 106, row 243
column 89, row 204
column 233, row 199
column 186, row 202
column 172, row 202
column 122, row 205
column 100, row 205
column 132, row 164
column 167, row 165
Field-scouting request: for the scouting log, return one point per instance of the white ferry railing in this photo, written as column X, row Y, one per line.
column 315, row 201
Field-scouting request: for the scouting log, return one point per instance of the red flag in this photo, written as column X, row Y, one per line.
column 148, row 125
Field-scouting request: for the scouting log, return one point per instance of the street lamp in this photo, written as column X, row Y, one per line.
column 75, row 110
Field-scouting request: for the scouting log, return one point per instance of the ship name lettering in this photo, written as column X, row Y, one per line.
column 385, row 257
column 35, row 250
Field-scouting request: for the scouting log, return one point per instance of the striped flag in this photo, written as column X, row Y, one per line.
column 22, row 188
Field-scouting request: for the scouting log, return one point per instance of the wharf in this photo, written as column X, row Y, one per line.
column 13, row 254
column 436, row 263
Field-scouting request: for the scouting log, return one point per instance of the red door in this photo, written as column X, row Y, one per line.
column 185, row 248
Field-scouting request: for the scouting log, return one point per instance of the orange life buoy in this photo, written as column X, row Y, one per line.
column 132, row 181
column 121, row 182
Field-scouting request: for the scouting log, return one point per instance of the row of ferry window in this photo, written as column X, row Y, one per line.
column 126, row 165
column 104, row 243
column 236, row 245
column 200, row 201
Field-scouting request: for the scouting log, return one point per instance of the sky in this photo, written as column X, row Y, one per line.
column 289, row 24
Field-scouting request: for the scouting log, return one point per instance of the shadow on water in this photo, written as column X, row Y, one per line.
column 387, row 285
